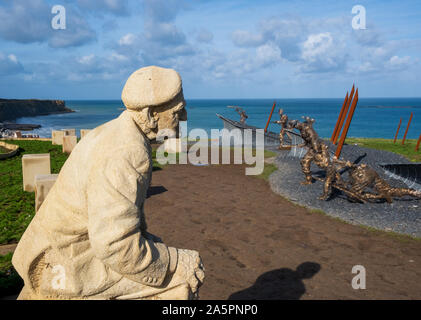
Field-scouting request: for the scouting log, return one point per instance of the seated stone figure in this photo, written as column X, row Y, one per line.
column 89, row 239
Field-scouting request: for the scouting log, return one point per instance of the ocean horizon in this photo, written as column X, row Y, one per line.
column 373, row 118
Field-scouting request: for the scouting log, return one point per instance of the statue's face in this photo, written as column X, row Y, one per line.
column 169, row 116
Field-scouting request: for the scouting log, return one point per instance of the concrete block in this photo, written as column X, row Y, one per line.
column 43, row 185
column 69, row 132
column 174, row 145
column 84, row 132
column 69, row 142
column 57, row 137
column 32, row 165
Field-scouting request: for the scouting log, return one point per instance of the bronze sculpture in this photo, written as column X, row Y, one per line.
column 361, row 177
column 241, row 112
column 285, row 124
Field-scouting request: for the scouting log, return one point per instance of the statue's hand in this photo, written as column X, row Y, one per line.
column 191, row 268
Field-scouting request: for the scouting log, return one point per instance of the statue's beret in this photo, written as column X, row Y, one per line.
column 151, row 86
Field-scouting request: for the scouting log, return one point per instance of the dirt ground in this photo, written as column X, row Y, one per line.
column 257, row 245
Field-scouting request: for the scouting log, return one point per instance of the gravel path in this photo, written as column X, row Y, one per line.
column 402, row 216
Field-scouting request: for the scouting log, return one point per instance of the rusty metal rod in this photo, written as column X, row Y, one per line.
column 339, row 118
column 418, row 144
column 348, row 103
column 347, row 124
column 270, row 116
column 407, row 128
column 397, row 131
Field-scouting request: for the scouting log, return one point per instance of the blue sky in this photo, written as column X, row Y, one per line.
column 222, row 49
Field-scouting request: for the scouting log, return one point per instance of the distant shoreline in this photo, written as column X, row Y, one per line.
column 12, row 109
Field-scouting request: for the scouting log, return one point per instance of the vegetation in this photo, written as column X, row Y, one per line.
column 10, row 281
column 3, row 150
column 17, row 207
column 407, row 150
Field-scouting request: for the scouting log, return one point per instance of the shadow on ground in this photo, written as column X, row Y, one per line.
column 279, row 284
column 153, row 190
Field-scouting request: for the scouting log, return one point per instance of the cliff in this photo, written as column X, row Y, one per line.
column 11, row 109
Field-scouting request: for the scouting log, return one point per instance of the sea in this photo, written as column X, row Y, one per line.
column 373, row 117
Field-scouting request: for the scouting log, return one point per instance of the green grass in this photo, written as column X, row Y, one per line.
column 407, row 150
column 17, row 207
column 4, row 150
column 10, row 281
column 267, row 171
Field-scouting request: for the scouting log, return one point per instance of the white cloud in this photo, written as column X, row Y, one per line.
column 25, row 21
column 321, row 53
column 9, row 65
column 397, row 63
column 127, row 39
column 267, row 55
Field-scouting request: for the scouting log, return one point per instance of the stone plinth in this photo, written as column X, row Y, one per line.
column 57, row 137
column 69, row 142
column 174, row 145
column 84, row 132
column 43, row 185
column 69, row 132
column 32, row 165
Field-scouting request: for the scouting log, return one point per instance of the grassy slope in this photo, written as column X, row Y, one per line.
column 407, row 150
column 17, row 207
column 3, row 150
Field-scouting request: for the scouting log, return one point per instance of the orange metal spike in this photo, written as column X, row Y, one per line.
column 348, row 103
column 347, row 124
column 418, row 144
column 407, row 128
column 270, row 116
column 339, row 118
column 397, row 131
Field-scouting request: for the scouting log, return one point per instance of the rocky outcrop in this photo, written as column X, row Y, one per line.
column 11, row 109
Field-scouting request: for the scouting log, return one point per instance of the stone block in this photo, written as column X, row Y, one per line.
column 57, row 137
column 84, row 132
column 69, row 142
column 43, row 185
column 174, row 145
column 32, row 165
column 69, row 132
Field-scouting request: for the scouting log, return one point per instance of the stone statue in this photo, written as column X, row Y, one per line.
column 89, row 239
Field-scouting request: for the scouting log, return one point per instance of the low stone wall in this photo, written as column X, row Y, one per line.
column 12, row 147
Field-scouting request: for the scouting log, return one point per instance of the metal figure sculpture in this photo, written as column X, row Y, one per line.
column 285, row 125
column 312, row 142
column 241, row 112
column 362, row 177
